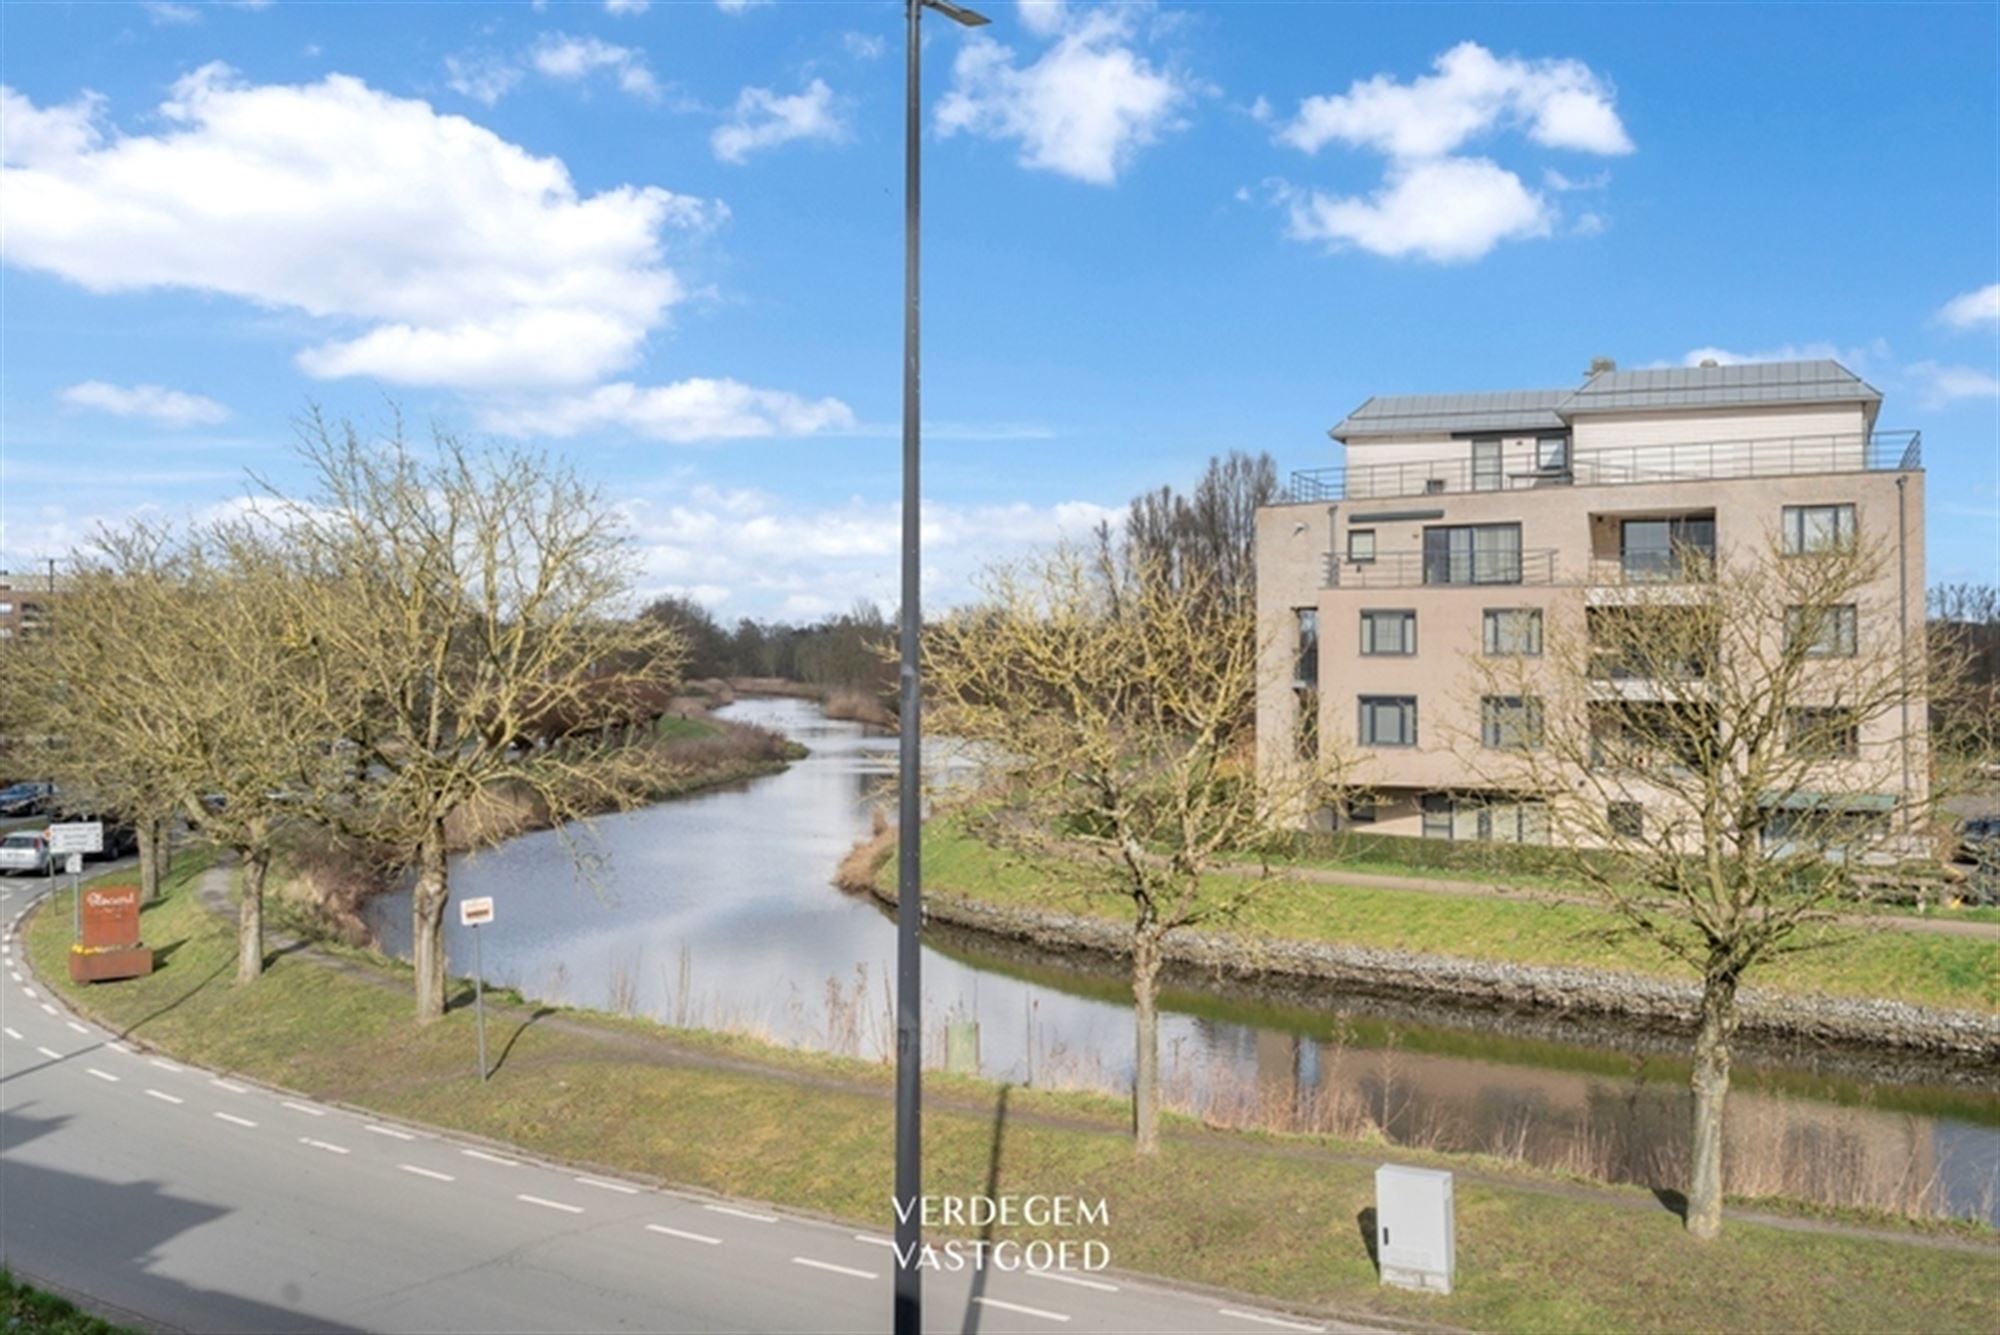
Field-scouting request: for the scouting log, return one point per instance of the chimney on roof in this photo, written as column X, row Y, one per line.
column 1599, row 365
column 1708, row 363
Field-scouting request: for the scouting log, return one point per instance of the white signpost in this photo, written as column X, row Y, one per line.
column 71, row 840
column 476, row 913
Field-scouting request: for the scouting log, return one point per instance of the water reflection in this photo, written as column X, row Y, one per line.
column 717, row 911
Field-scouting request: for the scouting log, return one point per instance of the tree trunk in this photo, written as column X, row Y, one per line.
column 250, row 918
column 1711, row 1093
column 427, row 903
column 1146, row 1058
column 149, row 859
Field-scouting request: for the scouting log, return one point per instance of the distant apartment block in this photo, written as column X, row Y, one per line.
column 24, row 604
column 1460, row 521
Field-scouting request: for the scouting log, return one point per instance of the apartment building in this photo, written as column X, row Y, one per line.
column 24, row 602
column 1461, row 524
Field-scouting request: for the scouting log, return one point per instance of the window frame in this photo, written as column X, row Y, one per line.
column 1489, row 632
column 1481, row 445
column 1560, row 464
column 1305, row 650
column 1804, row 721
column 1365, row 705
column 1369, row 639
column 1360, row 558
column 1792, row 523
column 1846, row 618
column 1635, row 828
column 1491, row 725
column 1443, row 553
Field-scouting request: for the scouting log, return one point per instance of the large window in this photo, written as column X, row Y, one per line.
column 1387, row 632
column 1388, row 720
column 1513, row 630
column 1666, row 549
column 1825, row 632
column 1823, row 733
column 1552, row 454
column 1305, row 659
column 1486, row 465
column 1305, row 723
column 1817, row 528
column 1496, row 819
column 1361, row 544
column 1472, row 554
column 1510, row 722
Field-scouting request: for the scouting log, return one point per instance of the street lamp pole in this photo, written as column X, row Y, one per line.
column 909, row 782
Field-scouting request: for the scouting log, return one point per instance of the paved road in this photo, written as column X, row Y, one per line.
column 191, row 1202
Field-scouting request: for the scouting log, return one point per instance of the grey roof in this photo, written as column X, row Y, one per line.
column 1430, row 414
column 1679, row 387
column 1822, row 381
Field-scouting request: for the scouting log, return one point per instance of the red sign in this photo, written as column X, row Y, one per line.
column 110, row 917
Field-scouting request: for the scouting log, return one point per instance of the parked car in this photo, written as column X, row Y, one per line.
column 1979, row 841
column 25, row 852
column 26, row 799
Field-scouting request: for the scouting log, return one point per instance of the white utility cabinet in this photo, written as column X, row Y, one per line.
column 1414, row 1228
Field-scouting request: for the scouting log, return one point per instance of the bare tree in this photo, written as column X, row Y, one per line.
column 1213, row 531
column 463, row 621
column 1728, row 756
column 1108, row 707
column 94, row 692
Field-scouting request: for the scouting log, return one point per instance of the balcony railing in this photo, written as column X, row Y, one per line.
column 1686, row 566
column 1409, row 570
column 1883, row 451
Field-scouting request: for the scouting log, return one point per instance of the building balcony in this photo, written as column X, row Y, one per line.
column 1882, row 451
column 1688, row 566
column 1413, row 570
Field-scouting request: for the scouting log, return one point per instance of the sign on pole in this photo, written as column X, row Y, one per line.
column 476, row 913
column 83, row 836
column 74, row 864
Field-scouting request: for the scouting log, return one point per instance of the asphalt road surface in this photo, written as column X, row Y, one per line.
column 172, row 1198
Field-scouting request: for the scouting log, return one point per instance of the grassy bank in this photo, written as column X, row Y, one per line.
column 29, row 1311
column 1265, row 1214
column 1958, row 972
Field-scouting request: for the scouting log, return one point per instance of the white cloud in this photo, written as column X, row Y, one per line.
column 1784, row 352
column 483, row 78
column 1940, row 385
column 1434, row 204
column 1972, row 310
column 165, row 14
column 169, row 407
column 738, row 6
column 561, row 56
column 627, row 6
column 756, row 553
column 863, row 46
column 437, row 252
column 1082, row 109
column 763, row 119
column 686, row 412
column 1557, row 103
column 1448, row 210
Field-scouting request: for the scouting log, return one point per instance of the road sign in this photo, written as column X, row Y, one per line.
column 73, row 864
column 84, row 836
column 475, row 912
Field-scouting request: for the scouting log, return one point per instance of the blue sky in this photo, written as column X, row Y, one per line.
column 664, row 241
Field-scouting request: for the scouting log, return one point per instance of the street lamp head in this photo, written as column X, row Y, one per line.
column 971, row 18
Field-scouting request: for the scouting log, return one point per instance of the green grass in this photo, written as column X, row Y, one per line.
column 29, row 1311
column 672, row 727
column 1927, row 968
column 1271, row 1215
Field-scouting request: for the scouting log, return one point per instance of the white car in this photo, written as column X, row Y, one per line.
column 25, row 851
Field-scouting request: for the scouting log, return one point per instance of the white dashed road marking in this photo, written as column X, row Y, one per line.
column 388, row 1131
column 1077, row 1280
column 874, row 1241
column 602, row 1185
column 102, row 1075
column 50, row 1009
column 742, row 1214
column 234, row 1119
column 303, row 1108
column 682, row 1233
column 50, row 1053
column 164, row 1065
column 12, row 1032
column 551, row 1205
column 430, row 1173
column 836, row 1269
column 74, row 1025
column 233, row 1089
column 164, row 1098
column 326, row 1145
column 1024, row 1311
column 490, row 1158
column 1267, row 1320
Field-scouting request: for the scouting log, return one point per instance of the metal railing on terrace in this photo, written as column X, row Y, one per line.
column 1882, row 451
column 1409, row 570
